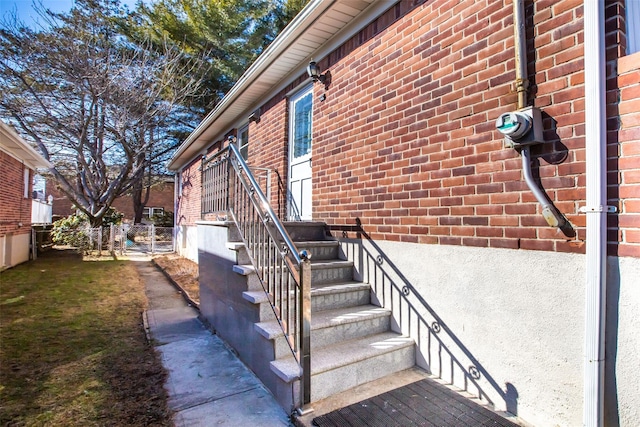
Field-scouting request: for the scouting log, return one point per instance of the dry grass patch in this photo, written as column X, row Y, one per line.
column 183, row 271
column 73, row 348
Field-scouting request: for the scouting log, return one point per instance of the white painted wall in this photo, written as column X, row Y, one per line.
column 14, row 250
column 186, row 241
column 623, row 342
column 517, row 315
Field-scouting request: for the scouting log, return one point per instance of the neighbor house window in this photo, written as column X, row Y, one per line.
column 149, row 212
column 243, row 141
column 26, row 183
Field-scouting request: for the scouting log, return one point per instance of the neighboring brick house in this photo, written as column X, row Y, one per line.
column 405, row 152
column 18, row 164
column 160, row 201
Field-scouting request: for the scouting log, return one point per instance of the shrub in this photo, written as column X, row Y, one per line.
column 71, row 231
column 164, row 219
column 75, row 229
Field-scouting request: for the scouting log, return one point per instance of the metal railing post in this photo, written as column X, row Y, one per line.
column 230, row 185
column 123, row 240
column 305, row 331
column 112, row 238
column 99, row 241
column 152, row 234
column 203, row 191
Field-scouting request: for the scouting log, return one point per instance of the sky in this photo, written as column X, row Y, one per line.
column 25, row 11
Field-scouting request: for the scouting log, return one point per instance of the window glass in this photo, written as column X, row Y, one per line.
column 27, row 183
column 243, row 141
column 302, row 126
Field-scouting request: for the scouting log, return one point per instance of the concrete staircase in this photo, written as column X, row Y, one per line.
column 351, row 339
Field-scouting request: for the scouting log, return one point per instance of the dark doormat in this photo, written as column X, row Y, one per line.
column 422, row 403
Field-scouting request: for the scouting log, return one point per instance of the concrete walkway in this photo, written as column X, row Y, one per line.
column 207, row 384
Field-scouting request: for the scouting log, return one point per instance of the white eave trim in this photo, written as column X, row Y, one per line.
column 202, row 136
column 308, row 14
column 12, row 144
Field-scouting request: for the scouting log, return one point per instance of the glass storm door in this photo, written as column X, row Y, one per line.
column 300, row 112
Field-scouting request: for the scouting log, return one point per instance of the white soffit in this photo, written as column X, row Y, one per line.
column 12, row 144
column 321, row 26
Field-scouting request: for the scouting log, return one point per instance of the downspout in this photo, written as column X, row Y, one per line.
column 596, row 211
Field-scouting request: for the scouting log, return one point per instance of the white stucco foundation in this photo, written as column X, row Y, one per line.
column 186, row 241
column 14, row 249
column 516, row 317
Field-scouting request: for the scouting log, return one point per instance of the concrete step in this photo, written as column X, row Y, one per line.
column 335, row 271
column 324, row 297
column 300, row 231
column 321, row 250
column 332, row 326
column 347, row 364
column 339, row 295
column 322, row 271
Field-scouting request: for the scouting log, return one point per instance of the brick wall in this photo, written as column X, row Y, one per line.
column 61, row 205
column 405, row 140
column 268, row 146
column 161, row 196
column 14, row 207
column 188, row 203
column 625, row 159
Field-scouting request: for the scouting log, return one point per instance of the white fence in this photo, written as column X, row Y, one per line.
column 40, row 212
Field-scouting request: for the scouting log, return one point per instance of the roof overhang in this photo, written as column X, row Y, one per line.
column 319, row 28
column 18, row 148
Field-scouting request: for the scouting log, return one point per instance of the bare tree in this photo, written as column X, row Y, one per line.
column 103, row 110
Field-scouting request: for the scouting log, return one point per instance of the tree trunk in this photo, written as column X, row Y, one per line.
column 140, row 198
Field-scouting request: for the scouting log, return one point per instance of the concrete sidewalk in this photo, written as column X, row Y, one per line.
column 207, row 384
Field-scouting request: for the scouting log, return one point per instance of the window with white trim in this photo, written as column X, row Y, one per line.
column 243, row 141
column 149, row 212
column 27, row 183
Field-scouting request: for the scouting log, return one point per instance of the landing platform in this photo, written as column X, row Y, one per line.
column 419, row 401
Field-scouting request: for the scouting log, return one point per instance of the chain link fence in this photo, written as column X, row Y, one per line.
column 122, row 239
column 144, row 238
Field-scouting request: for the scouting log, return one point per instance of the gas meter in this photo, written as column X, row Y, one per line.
column 521, row 128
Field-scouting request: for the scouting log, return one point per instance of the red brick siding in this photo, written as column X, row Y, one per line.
column 188, row 204
column 268, row 148
column 405, row 141
column 162, row 196
column 14, row 208
column 60, row 206
column 625, row 160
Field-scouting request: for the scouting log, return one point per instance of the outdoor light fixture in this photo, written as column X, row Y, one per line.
column 255, row 116
column 314, row 72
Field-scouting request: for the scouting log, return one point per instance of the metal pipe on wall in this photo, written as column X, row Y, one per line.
column 520, row 42
column 550, row 214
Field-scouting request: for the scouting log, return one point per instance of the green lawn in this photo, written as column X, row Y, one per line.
column 72, row 345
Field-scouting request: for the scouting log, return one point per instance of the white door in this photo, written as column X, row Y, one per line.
column 300, row 112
